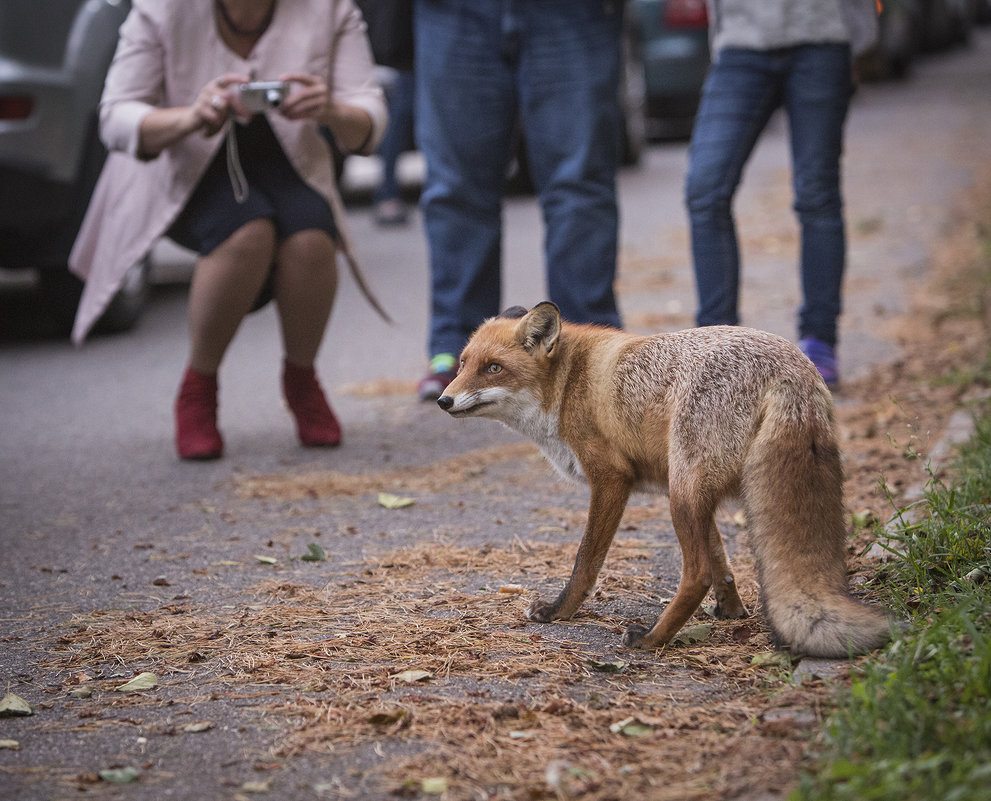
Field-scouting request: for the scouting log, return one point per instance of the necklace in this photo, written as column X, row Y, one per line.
column 253, row 32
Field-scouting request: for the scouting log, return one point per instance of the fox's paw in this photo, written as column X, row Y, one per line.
column 541, row 612
column 634, row 636
column 728, row 603
column 730, row 609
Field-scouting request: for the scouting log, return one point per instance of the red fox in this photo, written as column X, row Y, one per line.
column 708, row 413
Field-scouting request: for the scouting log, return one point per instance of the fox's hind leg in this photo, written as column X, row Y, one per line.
column 692, row 523
column 728, row 603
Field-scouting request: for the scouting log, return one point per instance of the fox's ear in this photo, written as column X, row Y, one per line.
column 540, row 328
column 513, row 313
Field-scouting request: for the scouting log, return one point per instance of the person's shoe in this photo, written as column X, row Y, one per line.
column 196, row 434
column 391, row 212
column 823, row 356
column 443, row 368
column 316, row 424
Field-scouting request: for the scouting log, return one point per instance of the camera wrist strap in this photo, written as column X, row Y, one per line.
column 239, row 183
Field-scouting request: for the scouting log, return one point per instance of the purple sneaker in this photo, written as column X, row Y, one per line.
column 823, row 356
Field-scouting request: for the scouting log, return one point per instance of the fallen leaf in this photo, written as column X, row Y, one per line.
column 256, row 787
column 316, row 553
column 743, row 633
column 771, row 659
column 390, row 501
column 81, row 692
column 606, row 667
column 143, row 681
column 412, row 676
column 864, row 518
column 436, row 785
column 196, row 728
column 120, row 775
column 266, row 560
column 512, row 588
column 631, row 727
column 387, row 717
column 693, row 634
column 11, row 745
column 14, row 706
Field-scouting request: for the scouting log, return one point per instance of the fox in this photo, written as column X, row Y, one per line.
column 706, row 414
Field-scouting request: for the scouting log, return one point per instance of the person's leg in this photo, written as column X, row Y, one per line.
column 817, row 98
column 464, row 116
column 569, row 68
column 389, row 206
column 225, row 284
column 740, row 94
column 305, row 286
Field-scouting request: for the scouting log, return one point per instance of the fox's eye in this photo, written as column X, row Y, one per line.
column 494, row 368
column 461, row 366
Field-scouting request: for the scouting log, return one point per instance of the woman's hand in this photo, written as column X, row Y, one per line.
column 310, row 99
column 163, row 127
column 213, row 104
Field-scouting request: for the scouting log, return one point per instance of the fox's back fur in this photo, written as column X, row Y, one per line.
column 708, row 413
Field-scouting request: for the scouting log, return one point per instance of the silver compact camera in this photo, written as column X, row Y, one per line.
column 259, row 96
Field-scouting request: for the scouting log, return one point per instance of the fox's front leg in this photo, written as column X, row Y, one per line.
column 608, row 500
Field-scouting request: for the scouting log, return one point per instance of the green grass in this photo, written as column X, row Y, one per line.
column 916, row 724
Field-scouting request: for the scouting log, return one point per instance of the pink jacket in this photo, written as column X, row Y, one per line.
column 168, row 50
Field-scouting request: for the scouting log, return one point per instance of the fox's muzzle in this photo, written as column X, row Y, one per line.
column 445, row 402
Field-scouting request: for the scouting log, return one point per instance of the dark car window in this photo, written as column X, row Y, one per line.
column 46, row 30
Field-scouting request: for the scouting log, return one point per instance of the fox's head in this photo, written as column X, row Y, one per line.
column 505, row 366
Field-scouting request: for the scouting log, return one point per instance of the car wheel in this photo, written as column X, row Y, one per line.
column 61, row 291
column 128, row 304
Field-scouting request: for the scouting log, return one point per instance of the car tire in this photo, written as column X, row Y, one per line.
column 129, row 302
column 61, row 291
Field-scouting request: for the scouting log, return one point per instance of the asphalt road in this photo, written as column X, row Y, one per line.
column 95, row 508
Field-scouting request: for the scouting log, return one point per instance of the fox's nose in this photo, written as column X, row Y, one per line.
column 445, row 402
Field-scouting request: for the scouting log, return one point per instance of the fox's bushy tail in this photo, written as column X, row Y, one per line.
column 793, row 493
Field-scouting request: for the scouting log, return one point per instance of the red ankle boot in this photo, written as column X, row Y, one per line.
column 196, row 434
column 315, row 422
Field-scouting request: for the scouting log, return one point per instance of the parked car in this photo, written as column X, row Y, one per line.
column 944, row 23
column 52, row 69
column 674, row 45
column 899, row 41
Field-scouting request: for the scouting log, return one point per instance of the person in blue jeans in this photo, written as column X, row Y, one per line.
column 389, row 206
column 795, row 54
column 486, row 72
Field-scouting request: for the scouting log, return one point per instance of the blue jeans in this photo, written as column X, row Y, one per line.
column 744, row 87
column 484, row 72
column 398, row 135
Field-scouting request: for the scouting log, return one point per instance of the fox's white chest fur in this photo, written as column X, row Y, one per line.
column 525, row 415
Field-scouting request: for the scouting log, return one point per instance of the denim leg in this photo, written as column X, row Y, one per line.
column 398, row 135
column 741, row 91
column 465, row 112
column 817, row 97
column 569, row 67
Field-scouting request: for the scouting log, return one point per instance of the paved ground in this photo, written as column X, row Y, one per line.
column 102, row 528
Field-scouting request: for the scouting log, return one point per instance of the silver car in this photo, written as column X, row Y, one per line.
column 53, row 60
